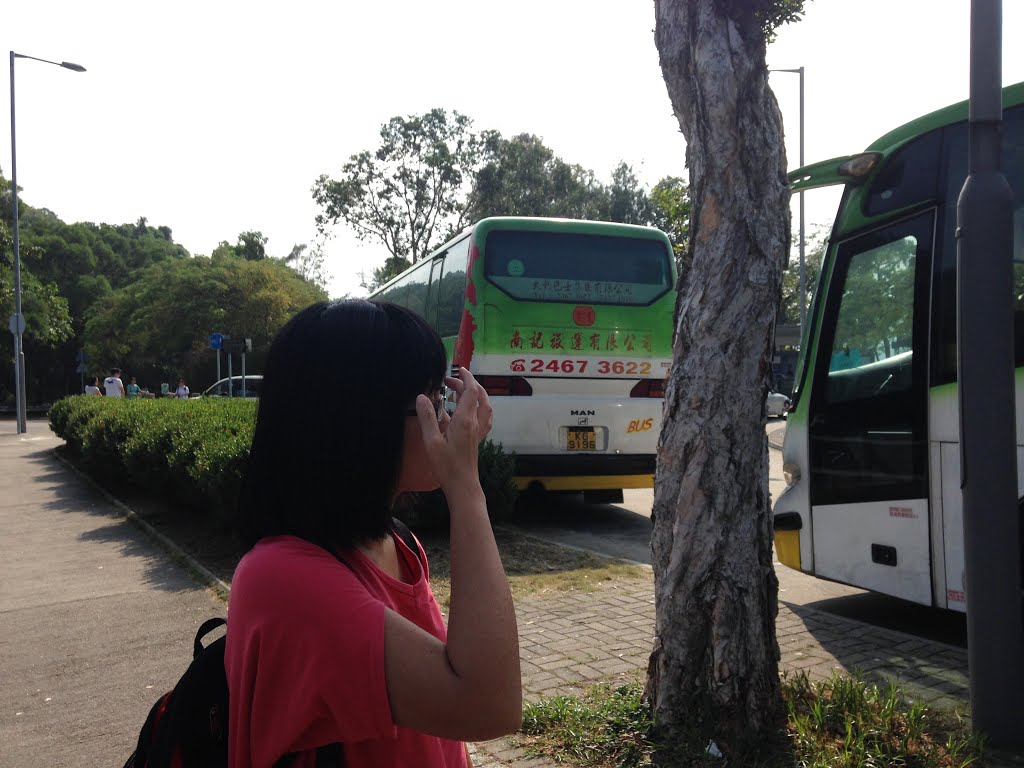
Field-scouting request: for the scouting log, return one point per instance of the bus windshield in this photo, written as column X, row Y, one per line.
column 577, row 268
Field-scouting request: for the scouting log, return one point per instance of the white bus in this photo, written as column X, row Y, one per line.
column 568, row 326
column 871, row 454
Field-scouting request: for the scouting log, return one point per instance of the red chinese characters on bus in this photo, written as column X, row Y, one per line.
column 616, row 342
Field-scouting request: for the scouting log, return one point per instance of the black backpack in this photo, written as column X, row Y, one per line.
column 188, row 726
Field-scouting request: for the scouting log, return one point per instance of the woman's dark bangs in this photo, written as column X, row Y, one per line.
column 419, row 353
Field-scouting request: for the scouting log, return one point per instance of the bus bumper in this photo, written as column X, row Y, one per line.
column 787, row 539
column 584, row 472
column 584, row 483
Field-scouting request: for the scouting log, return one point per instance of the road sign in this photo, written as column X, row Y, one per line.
column 16, row 324
column 238, row 346
column 216, row 340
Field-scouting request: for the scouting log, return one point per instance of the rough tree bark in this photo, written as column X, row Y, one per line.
column 714, row 670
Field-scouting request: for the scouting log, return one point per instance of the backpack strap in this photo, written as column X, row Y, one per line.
column 410, row 541
column 204, row 629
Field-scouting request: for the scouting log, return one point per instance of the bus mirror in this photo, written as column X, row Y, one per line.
column 860, row 165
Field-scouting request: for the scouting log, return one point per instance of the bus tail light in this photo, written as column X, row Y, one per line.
column 515, row 386
column 649, row 388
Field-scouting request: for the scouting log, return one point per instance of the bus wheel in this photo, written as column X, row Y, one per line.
column 603, row 496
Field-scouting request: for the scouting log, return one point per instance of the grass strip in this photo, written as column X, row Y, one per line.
column 841, row 722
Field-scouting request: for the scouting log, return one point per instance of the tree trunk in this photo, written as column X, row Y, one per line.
column 714, row 670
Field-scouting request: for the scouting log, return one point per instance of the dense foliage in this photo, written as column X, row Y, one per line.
column 158, row 326
column 75, row 273
column 194, row 451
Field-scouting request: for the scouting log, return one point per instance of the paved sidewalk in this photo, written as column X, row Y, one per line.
column 97, row 621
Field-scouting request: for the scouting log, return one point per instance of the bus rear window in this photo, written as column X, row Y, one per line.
column 577, row 268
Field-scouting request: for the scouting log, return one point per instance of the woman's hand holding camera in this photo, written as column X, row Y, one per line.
column 453, row 442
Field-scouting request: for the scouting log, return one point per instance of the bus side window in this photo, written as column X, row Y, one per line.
column 434, row 286
column 451, row 295
column 416, row 289
column 875, row 324
column 396, row 294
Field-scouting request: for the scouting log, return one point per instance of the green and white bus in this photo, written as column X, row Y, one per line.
column 568, row 326
column 871, row 453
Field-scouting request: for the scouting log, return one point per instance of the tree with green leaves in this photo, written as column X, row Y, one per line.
column 814, row 252
column 713, row 674
column 158, row 326
column 308, row 263
column 251, row 246
column 409, row 191
column 670, row 212
column 523, row 177
column 431, row 177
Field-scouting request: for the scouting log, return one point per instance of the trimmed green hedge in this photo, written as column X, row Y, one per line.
column 195, row 452
column 191, row 450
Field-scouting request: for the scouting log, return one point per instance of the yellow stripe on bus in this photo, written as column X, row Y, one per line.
column 587, row 483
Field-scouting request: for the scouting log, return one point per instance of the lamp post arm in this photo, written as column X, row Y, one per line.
column 65, row 64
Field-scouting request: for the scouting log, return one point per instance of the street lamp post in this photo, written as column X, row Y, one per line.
column 803, row 285
column 17, row 323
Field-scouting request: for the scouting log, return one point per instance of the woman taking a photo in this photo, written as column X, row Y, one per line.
column 334, row 633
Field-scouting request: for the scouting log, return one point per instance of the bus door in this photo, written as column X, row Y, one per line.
column 867, row 431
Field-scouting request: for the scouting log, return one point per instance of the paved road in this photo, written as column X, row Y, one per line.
column 623, row 530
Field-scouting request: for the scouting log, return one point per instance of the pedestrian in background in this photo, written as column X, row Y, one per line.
column 182, row 391
column 133, row 389
column 113, row 385
column 93, row 387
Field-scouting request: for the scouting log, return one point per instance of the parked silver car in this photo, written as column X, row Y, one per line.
column 778, row 404
column 235, row 387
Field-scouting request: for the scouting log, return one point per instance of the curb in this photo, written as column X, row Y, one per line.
column 197, row 569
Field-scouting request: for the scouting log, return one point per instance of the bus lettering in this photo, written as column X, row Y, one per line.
column 640, row 425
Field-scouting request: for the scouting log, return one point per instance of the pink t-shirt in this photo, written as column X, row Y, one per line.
column 305, row 658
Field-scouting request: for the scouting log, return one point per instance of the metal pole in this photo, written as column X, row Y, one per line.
column 230, row 393
column 218, row 365
column 20, row 396
column 803, row 272
column 243, row 371
column 992, row 539
column 19, row 353
column 803, row 279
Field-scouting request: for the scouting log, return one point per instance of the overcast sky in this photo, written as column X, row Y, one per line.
column 214, row 118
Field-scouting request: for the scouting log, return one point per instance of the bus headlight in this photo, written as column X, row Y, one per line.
column 792, row 473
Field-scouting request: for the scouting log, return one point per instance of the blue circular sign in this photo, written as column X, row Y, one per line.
column 216, row 340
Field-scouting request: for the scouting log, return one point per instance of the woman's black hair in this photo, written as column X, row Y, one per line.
column 326, row 454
